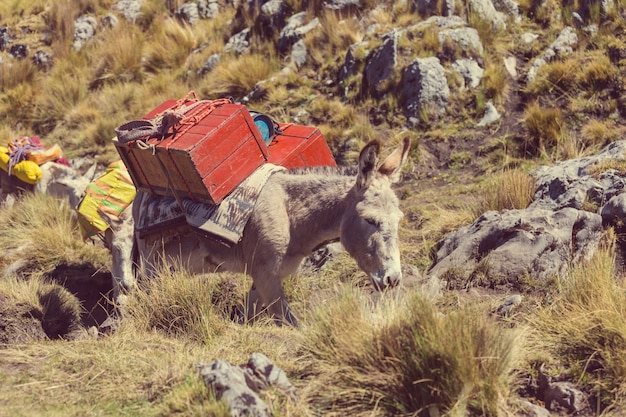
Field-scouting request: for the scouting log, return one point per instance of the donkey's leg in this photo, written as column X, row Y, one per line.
column 271, row 295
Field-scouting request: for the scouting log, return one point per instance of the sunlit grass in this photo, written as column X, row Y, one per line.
column 238, row 75
column 405, row 357
column 45, row 241
column 508, row 190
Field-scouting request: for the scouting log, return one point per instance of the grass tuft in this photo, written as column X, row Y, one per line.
column 508, row 190
column 545, row 128
column 43, row 232
column 179, row 304
column 404, row 357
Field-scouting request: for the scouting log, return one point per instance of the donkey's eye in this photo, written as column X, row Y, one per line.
column 373, row 222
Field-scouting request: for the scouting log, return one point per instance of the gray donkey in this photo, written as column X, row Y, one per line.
column 297, row 211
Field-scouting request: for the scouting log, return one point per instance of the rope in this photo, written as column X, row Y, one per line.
column 186, row 113
column 19, row 148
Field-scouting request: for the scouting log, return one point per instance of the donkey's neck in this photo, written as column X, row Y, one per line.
column 316, row 206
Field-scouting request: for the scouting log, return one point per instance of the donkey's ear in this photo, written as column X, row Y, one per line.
column 394, row 162
column 368, row 159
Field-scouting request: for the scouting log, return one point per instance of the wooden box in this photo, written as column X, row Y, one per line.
column 300, row 146
column 210, row 153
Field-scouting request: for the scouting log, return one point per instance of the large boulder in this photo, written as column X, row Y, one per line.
column 380, row 65
column 424, row 85
column 584, row 182
column 505, row 246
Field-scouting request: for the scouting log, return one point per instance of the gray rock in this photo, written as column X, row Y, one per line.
column 18, row 50
column 299, row 53
column 208, row 9
column 264, row 369
column 42, row 60
column 562, row 46
column 188, row 13
column 130, row 9
column 614, row 211
column 508, row 7
column 510, row 64
column 424, row 84
column 380, row 65
column 528, row 409
column 350, row 64
column 210, row 64
column 485, row 10
column 239, row 43
column 561, row 396
column 509, row 305
column 572, row 183
column 84, row 30
column 519, row 242
column 271, row 19
column 469, row 69
column 239, row 386
column 234, row 386
column 466, row 38
column 528, row 37
column 491, row 115
column 440, row 22
column 295, row 29
column 109, row 21
column 5, row 38
column 342, row 5
column 429, row 7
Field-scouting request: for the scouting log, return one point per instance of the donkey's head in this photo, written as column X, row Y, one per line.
column 369, row 228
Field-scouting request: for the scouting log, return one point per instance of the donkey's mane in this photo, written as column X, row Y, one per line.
column 325, row 170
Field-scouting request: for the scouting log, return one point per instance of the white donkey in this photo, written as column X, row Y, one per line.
column 297, row 212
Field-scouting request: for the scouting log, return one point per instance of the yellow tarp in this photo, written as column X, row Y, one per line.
column 112, row 192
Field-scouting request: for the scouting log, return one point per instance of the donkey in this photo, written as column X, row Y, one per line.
column 297, row 212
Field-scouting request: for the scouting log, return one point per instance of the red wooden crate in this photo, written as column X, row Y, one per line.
column 300, row 146
column 204, row 160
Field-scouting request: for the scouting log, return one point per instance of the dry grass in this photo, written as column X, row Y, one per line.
column 508, row 190
column 238, row 75
column 65, row 88
column 45, row 241
column 599, row 133
column 584, row 329
column 404, row 357
column 545, row 128
column 185, row 306
column 333, row 38
column 119, row 57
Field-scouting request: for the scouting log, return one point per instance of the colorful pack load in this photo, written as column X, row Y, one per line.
column 198, row 149
column 23, row 155
column 203, row 149
column 112, row 193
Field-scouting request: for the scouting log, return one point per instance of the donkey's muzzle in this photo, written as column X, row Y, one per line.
column 387, row 279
